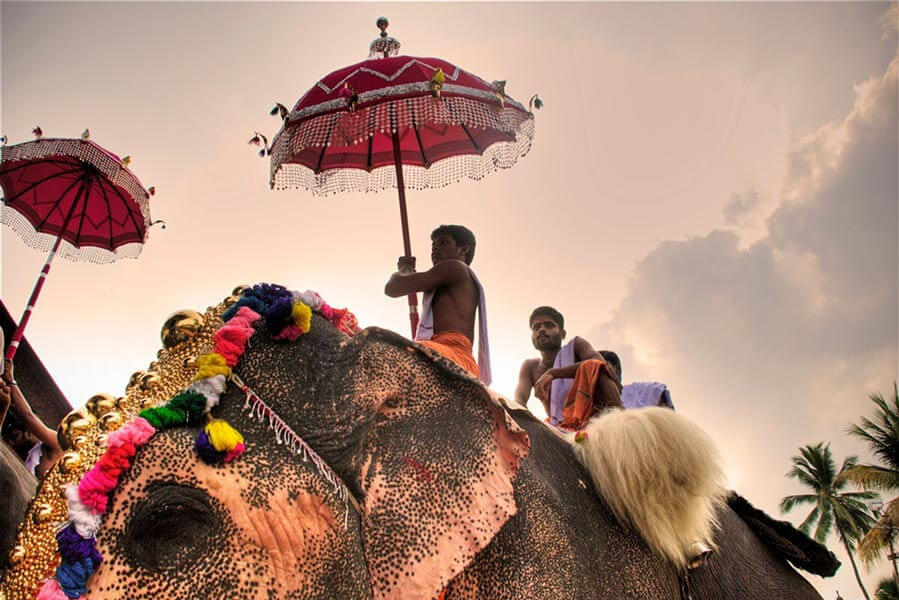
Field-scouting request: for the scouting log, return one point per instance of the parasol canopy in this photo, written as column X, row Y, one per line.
column 328, row 145
column 73, row 198
column 75, row 191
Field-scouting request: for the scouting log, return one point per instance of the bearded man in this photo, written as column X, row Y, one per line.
column 573, row 381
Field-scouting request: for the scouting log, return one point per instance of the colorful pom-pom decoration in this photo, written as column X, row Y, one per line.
column 219, row 442
column 580, row 437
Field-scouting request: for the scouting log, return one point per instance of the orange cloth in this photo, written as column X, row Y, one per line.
column 579, row 404
column 456, row 347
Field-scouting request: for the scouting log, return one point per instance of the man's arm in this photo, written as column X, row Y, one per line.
column 32, row 422
column 583, row 351
column 406, row 282
column 525, row 383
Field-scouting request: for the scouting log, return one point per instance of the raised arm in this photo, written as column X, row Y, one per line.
column 406, row 281
column 32, row 422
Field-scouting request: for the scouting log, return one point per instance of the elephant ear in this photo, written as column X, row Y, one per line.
column 436, row 467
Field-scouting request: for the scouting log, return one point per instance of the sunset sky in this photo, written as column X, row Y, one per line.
column 711, row 192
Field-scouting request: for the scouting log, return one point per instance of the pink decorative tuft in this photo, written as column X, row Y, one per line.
column 137, row 432
column 245, row 316
column 290, row 333
column 95, row 486
column 326, row 311
column 231, row 340
column 50, row 590
column 237, row 451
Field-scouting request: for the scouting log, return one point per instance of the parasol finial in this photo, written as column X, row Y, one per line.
column 383, row 46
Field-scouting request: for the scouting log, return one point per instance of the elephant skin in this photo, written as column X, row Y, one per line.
column 448, row 490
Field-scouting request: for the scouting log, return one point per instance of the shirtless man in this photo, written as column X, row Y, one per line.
column 452, row 297
column 557, row 364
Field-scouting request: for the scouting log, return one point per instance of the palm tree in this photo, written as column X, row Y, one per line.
column 815, row 467
column 887, row 590
column 882, row 436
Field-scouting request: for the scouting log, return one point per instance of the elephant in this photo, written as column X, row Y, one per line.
column 376, row 469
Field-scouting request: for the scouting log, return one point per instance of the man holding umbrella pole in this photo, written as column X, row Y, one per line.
column 452, row 297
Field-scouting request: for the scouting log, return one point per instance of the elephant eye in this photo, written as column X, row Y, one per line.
column 172, row 526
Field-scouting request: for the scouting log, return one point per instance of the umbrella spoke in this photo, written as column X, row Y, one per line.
column 371, row 138
column 37, row 183
column 25, row 165
column 57, row 207
column 456, row 118
column 318, row 165
column 108, row 209
column 84, row 194
column 421, row 148
column 128, row 211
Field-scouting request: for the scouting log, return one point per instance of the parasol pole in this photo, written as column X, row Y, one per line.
column 39, row 284
column 404, row 219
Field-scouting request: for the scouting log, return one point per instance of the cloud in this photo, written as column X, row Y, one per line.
column 889, row 21
column 740, row 206
column 780, row 343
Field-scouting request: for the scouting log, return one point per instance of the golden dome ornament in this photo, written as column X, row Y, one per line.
column 135, row 378
column 149, row 381
column 42, row 514
column 17, row 555
column 76, row 423
column 100, row 404
column 70, row 461
column 181, row 326
column 111, row 421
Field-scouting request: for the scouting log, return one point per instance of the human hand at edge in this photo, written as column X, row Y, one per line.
column 406, row 264
column 543, row 385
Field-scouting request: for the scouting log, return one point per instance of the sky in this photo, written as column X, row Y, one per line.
column 711, row 192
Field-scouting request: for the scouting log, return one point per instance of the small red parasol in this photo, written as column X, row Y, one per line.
column 71, row 197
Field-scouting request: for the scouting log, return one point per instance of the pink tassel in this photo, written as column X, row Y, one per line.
column 231, row 341
column 237, row 451
column 50, row 590
column 136, row 432
column 245, row 316
column 94, row 489
column 326, row 311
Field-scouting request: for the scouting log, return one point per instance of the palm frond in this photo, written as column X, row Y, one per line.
column 877, row 541
column 825, row 523
column 806, row 525
column 787, row 503
column 887, row 590
column 872, row 477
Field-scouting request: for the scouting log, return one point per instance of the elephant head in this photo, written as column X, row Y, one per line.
column 370, row 470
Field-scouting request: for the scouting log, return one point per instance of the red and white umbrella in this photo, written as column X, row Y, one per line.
column 75, row 199
column 398, row 121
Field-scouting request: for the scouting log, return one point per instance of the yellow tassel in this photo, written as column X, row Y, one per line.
column 223, row 437
column 302, row 316
column 126, row 161
column 210, row 365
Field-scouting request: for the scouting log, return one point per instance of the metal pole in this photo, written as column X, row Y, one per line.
column 407, row 245
column 39, row 284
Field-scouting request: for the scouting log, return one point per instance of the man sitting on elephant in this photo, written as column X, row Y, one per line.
column 452, row 296
column 573, row 381
column 638, row 394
